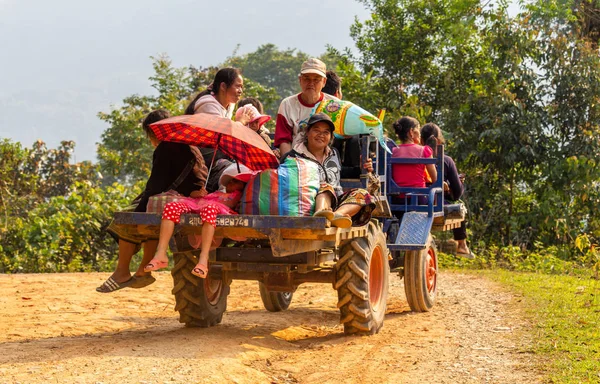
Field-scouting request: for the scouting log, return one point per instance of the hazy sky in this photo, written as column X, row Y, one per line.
column 63, row 61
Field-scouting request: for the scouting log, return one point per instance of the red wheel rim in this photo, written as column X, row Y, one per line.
column 213, row 288
column 376, row 278
column 431, row 270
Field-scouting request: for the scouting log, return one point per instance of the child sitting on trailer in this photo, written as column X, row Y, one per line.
column 411, row 175
column 209, row 206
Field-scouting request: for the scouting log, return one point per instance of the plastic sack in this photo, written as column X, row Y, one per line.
column 289, row 190
column 349, row 119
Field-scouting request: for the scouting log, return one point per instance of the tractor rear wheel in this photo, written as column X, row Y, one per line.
column 200, row 302
column 362, row 275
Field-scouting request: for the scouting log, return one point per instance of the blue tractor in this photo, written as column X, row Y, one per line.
column 283, row 252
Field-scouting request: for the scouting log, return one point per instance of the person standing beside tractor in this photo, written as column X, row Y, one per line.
column 294, row 111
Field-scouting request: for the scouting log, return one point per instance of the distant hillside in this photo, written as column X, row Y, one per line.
column 65, row 114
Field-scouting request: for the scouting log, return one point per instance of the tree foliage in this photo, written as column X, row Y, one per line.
column 52, row 211
column 516, row 96
column 275, row 69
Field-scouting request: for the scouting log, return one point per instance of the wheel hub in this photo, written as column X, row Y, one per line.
column 376, row 271
column 213, row 288
column 431, row 271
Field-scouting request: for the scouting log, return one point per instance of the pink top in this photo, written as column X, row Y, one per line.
column 410, row 175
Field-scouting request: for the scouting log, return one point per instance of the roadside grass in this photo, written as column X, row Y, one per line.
column 565, row 309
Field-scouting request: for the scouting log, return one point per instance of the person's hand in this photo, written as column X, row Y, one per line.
column 446, row 187
column 461, row 177
column 368, row 165
column 199, row 193
column 277, row 153
column 246, row 117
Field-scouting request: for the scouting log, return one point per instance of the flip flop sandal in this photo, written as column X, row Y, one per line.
column 142, row 281
column 111, row 285
column 326, row 213
column 155, row 265
column 200, row 270
column 341, row 221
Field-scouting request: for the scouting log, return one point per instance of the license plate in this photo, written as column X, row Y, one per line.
column 233, row 221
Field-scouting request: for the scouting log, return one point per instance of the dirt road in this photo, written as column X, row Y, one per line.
column 57, row 329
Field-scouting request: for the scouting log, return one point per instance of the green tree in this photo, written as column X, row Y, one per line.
column 273, row 69
column 124, row 153
column 63, row 233
column 569, row 191
column 47, row 221
column 516, row 96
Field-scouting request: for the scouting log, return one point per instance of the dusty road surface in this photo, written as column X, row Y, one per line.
column 55, row 328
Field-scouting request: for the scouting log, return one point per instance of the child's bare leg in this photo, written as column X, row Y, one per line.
column 208, row 232
column 166, row 231
column 171, row 216
column 209, row 216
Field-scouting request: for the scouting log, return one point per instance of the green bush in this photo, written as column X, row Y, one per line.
column 64, row 234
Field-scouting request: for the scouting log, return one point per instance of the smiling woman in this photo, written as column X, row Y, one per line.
column 220, row 96
column 341, row 209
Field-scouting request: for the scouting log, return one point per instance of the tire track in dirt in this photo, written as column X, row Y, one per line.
column 56, row 328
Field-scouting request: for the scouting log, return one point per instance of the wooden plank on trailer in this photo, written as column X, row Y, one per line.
column 282, row 247
column 447, row 224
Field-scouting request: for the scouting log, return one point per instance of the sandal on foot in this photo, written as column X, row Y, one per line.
column 142, row 281
column 111, row 285
column 465, row 255
column 200, row 270
column 326, row 213
column 341, row 221
column 155, row 265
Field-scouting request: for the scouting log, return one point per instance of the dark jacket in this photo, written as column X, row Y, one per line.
column 329, row 171
column 451, row 177
column 168, row 162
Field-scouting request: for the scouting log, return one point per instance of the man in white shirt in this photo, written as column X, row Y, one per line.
column 294, row 111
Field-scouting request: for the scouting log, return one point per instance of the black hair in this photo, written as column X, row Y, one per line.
column 432, row 130
column 153, row 117
column 225, row 76
column 403, row 125
column 253, row 101
column 333, row 84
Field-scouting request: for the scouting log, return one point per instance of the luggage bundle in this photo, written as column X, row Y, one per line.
column 289, row 190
